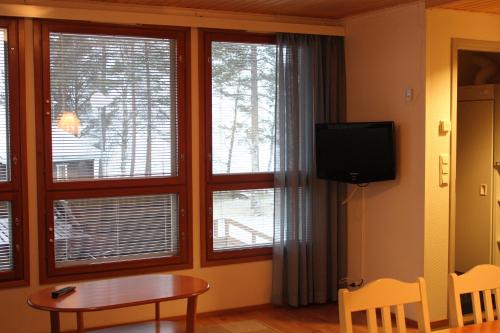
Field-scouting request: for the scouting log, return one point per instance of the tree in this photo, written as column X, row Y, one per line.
column 243, row 75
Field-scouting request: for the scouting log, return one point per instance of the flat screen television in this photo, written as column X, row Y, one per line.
column 356, row 152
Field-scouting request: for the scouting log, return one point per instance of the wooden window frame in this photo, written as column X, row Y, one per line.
column 48, row 190
column 210, row 182
column 15, row 190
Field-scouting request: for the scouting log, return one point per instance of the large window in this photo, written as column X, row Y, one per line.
column 112, row 134
column 239, row 110
column 13, row 224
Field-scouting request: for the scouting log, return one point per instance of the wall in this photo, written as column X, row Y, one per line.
column 442, row 27
column 227, row 282
column 385, row 55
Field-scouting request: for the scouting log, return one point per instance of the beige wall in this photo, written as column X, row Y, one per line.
column 232, row 286
column 442, row 27
column 385, row 55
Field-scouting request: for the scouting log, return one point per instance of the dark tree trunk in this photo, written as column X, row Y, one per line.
column 124, row 141
column 254, row 110
column 233, row 128
column 149, row 111
column 103, row 141
column 134, row 130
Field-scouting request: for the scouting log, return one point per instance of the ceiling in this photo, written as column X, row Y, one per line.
column 323, row 9
column 485, row 6
column 326, row 9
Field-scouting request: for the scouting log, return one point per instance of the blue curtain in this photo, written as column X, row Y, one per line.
column 309, row 254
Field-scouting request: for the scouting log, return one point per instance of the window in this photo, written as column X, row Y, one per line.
column 240, row 77
column 13, row 219
column 113, row 134
column 61, row 171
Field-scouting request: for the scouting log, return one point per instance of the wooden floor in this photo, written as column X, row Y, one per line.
column 310, row 319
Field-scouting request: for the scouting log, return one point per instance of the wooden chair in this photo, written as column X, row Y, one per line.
column 480, row 279
column 384, row 294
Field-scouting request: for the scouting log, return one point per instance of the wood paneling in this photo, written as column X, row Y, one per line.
column 328, row 9
column 485, row 6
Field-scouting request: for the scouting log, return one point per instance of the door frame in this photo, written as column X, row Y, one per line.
column 459, row 44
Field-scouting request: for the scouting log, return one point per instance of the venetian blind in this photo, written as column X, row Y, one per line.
column 6, row 240
column 114, row 106
column 4, row 109
column 113, row 229
column 243, row 107
column 6, row 255
column 242, row 219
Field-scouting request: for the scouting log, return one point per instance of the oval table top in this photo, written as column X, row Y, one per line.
column 119, row 292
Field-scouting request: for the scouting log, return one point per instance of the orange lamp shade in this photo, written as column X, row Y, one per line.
column 68, row 121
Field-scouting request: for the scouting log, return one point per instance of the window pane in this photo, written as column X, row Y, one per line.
column 243, row 107
column 4, row 109
column 6, row 255
column 89, row 231
column 243, row 219
column 114, row 106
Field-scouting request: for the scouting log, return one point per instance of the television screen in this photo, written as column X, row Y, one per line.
column 355, row 152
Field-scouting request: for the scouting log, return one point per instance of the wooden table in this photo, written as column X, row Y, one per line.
column 488, row 327
column 123, row 292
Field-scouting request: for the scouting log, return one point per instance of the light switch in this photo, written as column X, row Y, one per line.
column 444, row 169
column 408, row 95
column 444, row 159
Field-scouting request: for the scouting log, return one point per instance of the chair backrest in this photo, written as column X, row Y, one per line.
column 384, row 294
column 480, row 279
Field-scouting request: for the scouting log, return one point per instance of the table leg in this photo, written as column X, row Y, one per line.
column 79, row 322
column 54, row 322
column 157, row 311
column 191, row 314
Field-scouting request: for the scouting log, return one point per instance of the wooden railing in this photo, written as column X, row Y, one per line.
column 230, row 222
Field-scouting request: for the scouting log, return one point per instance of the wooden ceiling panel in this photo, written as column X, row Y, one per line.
column 485, row 6
column 327, row 9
